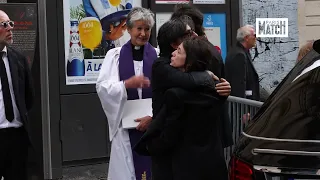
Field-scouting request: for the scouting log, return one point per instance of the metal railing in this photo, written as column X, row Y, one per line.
column 240, row 112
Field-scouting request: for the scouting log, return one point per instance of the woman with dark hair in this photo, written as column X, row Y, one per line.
column 190, row 133
column 197, row 18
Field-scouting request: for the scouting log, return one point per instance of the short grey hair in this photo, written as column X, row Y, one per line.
column 244, row 31
column 140, row 14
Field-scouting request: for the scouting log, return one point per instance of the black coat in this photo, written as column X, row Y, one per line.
column 22, row 84
column 217, row 67
column 164, row 77
column 190, row 135
column 241, row 73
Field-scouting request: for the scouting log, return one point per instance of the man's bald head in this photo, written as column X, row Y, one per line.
column 2, row 12
column 3, row 16
column 5, row 30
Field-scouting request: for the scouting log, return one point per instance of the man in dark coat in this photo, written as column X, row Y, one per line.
column 239, row 68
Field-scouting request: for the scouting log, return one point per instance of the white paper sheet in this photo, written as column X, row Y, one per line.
column 134, row 109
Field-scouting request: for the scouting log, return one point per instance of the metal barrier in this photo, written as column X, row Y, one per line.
column 240, row 111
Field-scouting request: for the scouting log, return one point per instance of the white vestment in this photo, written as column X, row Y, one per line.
column 113, row 96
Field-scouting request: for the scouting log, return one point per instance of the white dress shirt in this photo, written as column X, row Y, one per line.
column 4, row 123
column 138, row 69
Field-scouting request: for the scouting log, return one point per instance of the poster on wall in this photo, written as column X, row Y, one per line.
column 209, row 1
column 92, row 28
column 161, row 18
column 215, row 29
column 24, row 32
column 171, row 1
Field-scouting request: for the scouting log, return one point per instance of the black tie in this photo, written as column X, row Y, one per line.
column 6, row 90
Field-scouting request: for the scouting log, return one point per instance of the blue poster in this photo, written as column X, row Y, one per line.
column 215, row 29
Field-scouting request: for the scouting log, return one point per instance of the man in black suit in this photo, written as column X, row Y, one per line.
column 16, row 98
column 239, row 69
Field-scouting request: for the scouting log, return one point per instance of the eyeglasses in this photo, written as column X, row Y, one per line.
column 6, row 24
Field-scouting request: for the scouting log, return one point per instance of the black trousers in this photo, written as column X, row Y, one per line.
column 13, row 153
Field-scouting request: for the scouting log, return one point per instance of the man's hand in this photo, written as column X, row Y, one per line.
column 246, row 118
column 223, row 88
column 144, row 123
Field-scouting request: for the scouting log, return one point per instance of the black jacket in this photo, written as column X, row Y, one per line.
column 164, row 77
column 190, row 135
column 241, row 73
column 22, row 84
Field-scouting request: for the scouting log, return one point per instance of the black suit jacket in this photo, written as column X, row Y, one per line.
column 241, row 73
column 22, row 84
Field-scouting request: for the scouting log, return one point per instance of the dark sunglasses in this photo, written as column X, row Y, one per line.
column 5, row 24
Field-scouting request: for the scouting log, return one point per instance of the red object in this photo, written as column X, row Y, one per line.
column 239, row 170
column 218, row 48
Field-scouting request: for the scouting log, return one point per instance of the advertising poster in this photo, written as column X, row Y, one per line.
column 171, row 1
column 24, row 31
column 92, row 28
column 215, row 29
column 161, row 18
column 209, row 1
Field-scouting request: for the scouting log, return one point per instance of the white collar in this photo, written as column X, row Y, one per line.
column 5, row 50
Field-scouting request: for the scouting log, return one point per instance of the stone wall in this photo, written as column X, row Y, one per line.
column 308, row 20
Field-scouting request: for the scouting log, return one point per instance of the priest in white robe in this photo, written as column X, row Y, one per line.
column 124, row 76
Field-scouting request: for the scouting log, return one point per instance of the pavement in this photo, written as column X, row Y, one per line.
column 86, row 172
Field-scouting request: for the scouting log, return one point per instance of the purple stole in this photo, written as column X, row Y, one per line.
column 142, row 164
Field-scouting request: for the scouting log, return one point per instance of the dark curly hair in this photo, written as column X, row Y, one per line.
column 170, row 32
column 191, row 11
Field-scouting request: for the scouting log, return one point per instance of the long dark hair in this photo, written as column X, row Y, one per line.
column 199, row 53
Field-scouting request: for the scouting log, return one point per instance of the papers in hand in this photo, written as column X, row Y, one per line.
column 135, row 109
